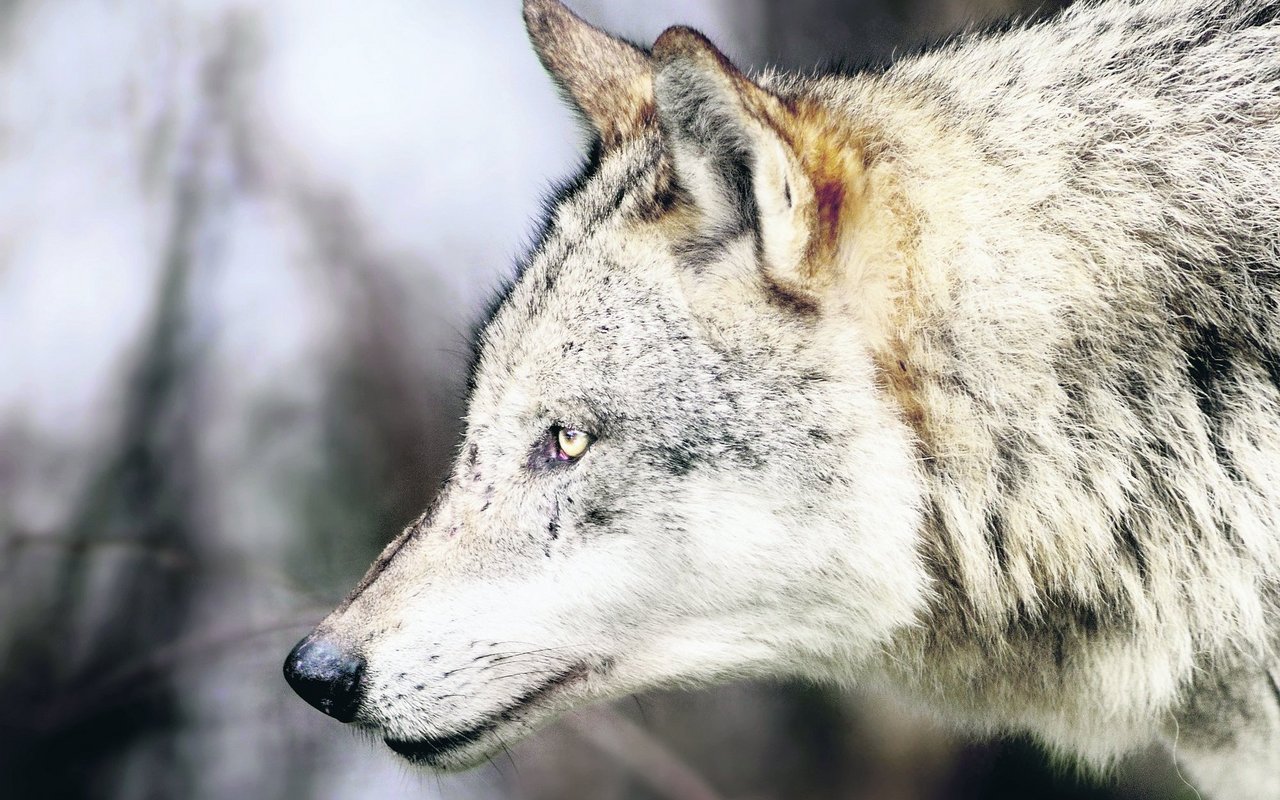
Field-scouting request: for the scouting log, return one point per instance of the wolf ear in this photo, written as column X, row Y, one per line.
column 732, row 151
column 610, row 80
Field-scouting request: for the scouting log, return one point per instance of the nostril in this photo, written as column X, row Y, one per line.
column 326, row 676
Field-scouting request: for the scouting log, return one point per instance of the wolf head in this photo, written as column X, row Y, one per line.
column 679, row 466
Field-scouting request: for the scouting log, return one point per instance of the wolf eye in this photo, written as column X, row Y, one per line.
column 572, row 443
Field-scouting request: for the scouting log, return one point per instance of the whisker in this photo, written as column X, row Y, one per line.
column 644, row 717
column 521, row 674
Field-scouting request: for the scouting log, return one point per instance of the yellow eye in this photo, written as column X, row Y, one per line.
column 572, row 443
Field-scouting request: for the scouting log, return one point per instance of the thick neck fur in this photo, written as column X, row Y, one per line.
column 1072, row 297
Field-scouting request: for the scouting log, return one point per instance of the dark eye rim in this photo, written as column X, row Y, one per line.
column 547, row 453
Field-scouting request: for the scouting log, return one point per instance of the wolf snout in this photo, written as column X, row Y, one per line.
column 327, row 675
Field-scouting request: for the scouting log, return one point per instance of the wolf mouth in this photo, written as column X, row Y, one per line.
column 431, row 749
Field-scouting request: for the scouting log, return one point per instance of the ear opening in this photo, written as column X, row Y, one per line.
column 736, row 152
column 707, row 129
column 608, row 79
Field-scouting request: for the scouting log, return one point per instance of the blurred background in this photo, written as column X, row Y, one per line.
column 240, row 248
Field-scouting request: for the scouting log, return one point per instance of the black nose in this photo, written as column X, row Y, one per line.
column 326, row 676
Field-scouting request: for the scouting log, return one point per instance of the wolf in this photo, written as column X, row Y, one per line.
column 959, row 377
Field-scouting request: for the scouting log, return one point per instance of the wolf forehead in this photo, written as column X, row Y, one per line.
column 597, row 301
column 596, row 330
column 575, row 275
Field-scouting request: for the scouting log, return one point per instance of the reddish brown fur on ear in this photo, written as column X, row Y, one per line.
column 821, row 161
column 609, row 79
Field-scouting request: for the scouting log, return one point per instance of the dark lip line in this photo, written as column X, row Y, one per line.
column 425, row 749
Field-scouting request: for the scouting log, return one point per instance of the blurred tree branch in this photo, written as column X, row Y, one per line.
column 641, row 754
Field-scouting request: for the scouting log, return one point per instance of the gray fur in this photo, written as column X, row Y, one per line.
column 1022, row 463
